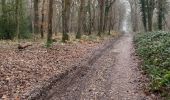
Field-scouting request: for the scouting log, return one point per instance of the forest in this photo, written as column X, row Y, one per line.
column 84, row 50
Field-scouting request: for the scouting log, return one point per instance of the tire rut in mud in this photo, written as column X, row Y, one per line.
column 59, row 84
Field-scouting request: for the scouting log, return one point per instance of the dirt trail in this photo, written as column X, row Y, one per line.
column 113, row 76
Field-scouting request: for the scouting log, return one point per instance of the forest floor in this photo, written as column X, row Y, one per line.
column 112, row 73
column 104, row 70
column 22, row 71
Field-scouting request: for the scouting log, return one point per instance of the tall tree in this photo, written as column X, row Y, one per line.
column 108, row 5
column 42, row 19
column 90, row 17
column 162, row 10
column 150, row 8
column 4, row 15
column 65, row 18
column 36, row 17
column 80, row 19
column 144, row 13
column 147, row 8
column 17, row 18
column 3, row 5
column 101, row 20
column 135, row 14
column 50, row 18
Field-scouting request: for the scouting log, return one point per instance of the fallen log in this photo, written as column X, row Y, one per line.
column 23, row 46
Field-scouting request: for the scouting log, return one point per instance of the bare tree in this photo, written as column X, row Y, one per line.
column 135, row 14
column 36, row 17
column 17, row 18
column 108, row 6
column 65, row 18
column 42, row 19
column 102, row 11
column 80, row 19
column 50, row 17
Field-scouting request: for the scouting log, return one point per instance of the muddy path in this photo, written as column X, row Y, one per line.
column 112, row 74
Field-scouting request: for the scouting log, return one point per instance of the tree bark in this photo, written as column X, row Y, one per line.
column 80, row 19
column 108, row 5
column 65, row 19
column 17, row 19
column 36, row 17
column 102, row 11
column 50, row 18
column 134, row 14
column 42, row 20
column 90, row 17
column 160, row 14
column 151, row 5
column 3, row 4
column 144, row 11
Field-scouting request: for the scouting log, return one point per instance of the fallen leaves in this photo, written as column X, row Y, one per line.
column 20, row 71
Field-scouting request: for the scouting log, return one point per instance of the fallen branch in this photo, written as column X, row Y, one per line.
column 23, row 46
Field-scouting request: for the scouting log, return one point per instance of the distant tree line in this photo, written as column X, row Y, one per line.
column 45, row 18
column 13, row 20
column 148, row 9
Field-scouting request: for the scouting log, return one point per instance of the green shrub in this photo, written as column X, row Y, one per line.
column 8, row 23
column 7, row 30
column 154, row 49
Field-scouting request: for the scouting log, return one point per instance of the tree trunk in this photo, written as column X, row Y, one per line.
column 108, row 5
column 4, row 15
column 134, row 14
column 102, row 11
column 42, row 20
column 110, row 20
column 144, row 10
column 160, row 14
column 90, row 17
column 17, row 19
column 32, row 17
column 136, row 19
column 80, row 19
column 50, row 18
column 65, row 19
column 106, row 15
column 3, row 5
column 36, row 17
column 150, row 14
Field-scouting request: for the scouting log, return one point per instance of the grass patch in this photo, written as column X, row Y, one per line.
column 154, row 49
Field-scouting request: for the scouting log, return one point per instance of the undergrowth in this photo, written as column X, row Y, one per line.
column 154, row 49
